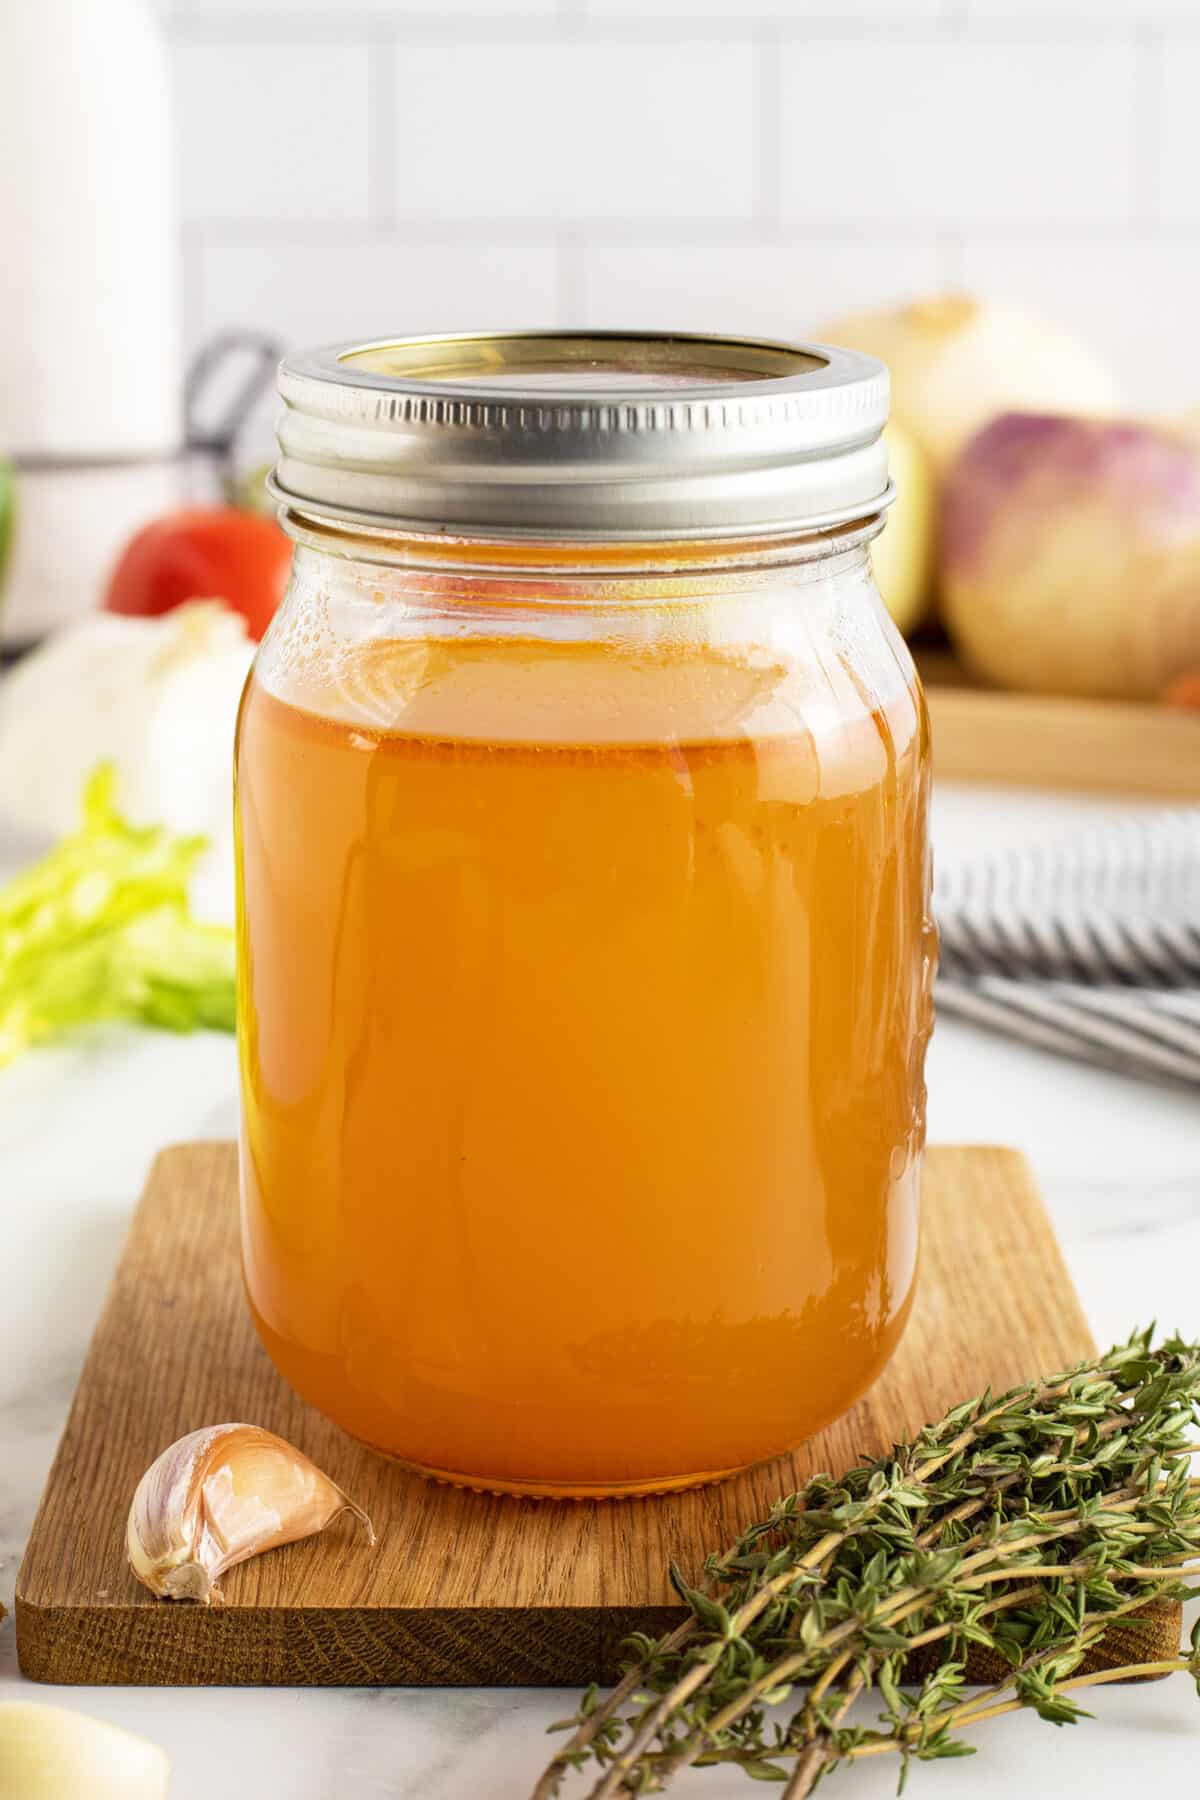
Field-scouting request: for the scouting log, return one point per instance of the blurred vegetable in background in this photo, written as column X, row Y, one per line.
column 204, row 553
column 955, row 362
column 1184, row 690
column 156, row 697
column 903, row 553
column 101, row 929
column 1071, row 556
column 8, row 515
column 250, row 490
column 50, row 1753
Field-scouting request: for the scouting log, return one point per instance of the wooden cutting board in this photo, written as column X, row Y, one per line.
column 1040, row 740
column 462, row 1588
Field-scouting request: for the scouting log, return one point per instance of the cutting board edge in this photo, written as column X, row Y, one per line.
column 73, row 1642
column 404, row 1646
column 1090, row 746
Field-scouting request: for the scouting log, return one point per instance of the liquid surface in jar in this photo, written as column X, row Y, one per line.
column 581, row 1066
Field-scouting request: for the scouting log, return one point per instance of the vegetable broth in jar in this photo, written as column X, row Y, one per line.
column 585, row 969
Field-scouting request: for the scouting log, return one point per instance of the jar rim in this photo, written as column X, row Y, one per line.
column 584, row 436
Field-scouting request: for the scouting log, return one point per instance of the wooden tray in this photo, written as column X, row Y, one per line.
column 462, row 1588
column 1035, row 740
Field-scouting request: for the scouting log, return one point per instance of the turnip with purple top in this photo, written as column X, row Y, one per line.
column 1071, row 555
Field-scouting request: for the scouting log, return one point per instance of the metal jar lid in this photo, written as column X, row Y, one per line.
column 606, row 436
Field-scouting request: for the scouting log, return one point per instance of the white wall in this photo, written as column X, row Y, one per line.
column 363, row 166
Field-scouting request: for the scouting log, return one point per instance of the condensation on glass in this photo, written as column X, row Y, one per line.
column 585, row 955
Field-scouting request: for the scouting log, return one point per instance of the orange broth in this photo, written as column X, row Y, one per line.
column 582, row 1069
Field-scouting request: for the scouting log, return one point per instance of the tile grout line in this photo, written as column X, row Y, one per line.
column 951, row 257
column 572, row 18
column 381, row 150
column 767, row 101
column 1149, row 83
column 665, row 232
column 191, row 281
column 572, row 280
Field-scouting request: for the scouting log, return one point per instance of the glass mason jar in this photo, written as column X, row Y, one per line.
column 584, row 908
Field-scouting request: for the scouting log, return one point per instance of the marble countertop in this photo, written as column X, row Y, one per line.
column 1119, row 1165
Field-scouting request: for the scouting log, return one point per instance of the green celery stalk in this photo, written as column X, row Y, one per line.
column 101, row 929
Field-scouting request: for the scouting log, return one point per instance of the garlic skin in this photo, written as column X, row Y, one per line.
column 50, row 1752
column 218, row 1497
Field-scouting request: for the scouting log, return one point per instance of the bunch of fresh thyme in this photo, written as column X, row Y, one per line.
column 1026, row 1524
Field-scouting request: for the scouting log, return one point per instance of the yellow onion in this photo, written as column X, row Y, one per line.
column 956, row 362
column 903, row 553
column 1070, row 556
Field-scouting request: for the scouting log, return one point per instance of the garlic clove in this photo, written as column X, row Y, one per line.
column 220, row 1496
column 48, row 1752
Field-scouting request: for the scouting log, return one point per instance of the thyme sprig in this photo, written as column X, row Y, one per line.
column 1026, row 1525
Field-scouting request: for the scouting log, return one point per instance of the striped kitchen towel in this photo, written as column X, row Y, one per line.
column 1090, row 947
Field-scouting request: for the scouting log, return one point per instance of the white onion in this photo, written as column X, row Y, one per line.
column 157, row 697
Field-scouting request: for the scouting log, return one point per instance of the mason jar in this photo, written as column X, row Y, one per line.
column 585, row 951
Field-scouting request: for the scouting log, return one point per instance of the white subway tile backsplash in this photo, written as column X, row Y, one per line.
column 312, row 294
column 953, row 130
column 779, row 290
column 732, row 164
column 1178, row 185
column 274, row 132
column 1136, row 303
column 575, row 130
